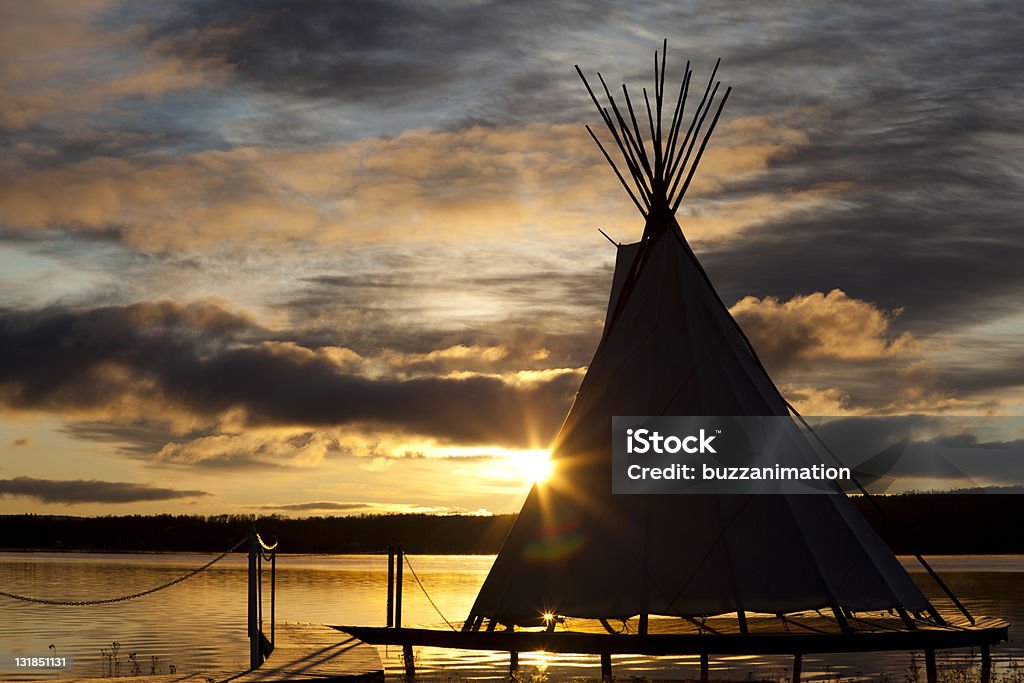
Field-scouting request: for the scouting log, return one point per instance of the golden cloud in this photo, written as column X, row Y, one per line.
column 421, row 184
column 60, row 62
column 819, row 326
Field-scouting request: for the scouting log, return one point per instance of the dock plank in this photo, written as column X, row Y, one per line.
column 154, row 678
column 314, row 652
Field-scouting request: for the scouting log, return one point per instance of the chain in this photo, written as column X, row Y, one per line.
column 107, row 601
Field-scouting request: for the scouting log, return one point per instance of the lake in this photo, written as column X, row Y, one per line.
column 200, row 625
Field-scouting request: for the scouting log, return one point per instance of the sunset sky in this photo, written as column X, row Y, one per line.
column 331, row 258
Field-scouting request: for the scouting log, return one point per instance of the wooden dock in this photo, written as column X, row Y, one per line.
column 313, row 652
column 796, row 635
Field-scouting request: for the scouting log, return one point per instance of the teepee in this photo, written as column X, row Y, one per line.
column 670, row 347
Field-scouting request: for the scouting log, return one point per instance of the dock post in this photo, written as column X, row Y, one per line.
column 704, row 667
column 606, row 667
column 399, row 558
column 513, row 663
column 273, row 594
column 254, row 632
column 410, row 663
column 391, row 586
column 798, row 665
column 929, row 665
column 986, row 664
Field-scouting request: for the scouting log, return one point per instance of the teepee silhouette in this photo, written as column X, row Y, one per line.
column 771, row 573
column 670, row 347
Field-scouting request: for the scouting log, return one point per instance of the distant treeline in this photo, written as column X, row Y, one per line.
column 454, row 534
column 948, row 524
column 926, row 523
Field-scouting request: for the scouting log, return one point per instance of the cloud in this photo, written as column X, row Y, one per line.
column 72, row 492
column 811, row 401
column 415, row 186
column 17, row 443
column 61, row 65
column 389, row 52
column 820, row 326
column 371, row 508
column 192, row 368
column 301, row 448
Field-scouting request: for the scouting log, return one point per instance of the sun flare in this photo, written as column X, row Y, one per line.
column 535, row 466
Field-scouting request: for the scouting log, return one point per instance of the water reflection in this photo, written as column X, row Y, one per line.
column 199, row 626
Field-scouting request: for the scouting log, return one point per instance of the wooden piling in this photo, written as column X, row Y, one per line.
column 254, row 634
column 606, row 667
column 399, row 559
column 391, row 586
column 410, row 663
column 798, row 664
column 931, row 670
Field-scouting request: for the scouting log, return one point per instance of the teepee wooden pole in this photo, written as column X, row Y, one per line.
column 617, row 174
column 627, row 134
column 700, row 152
column 625, row 143
column 677, row 120
column 656, row 148
column 691, row 137
column 658, row 96
column 648, row 166
column 696, row 114
column 631, row 164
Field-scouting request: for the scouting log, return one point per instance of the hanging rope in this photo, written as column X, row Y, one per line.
column 429, row 599
column 107, row 601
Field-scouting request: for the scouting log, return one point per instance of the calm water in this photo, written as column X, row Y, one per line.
column 199, row 625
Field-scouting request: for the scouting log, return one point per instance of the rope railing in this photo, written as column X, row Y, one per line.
column 131, row 596
column 426, row 594
column 259, row 551
column 397, row 559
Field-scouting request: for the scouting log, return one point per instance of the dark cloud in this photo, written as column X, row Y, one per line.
column 319, row 505
column 67, row 358
column 139, row 439
column 377, row 508
column 1001, row 371
column 169, row 359
column 71, row 492
column 913, row 116
column 296, row 389
column 21, row 442
column 391, row 52
column 534, row 310
column 945, row 450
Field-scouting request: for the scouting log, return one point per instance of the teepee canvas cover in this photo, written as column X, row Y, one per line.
column 670, row 347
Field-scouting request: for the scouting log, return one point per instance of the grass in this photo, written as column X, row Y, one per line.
column 113, row 665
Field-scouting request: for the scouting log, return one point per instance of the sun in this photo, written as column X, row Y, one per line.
column 535, row 466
